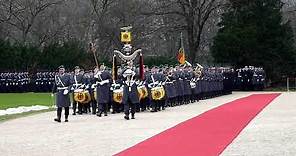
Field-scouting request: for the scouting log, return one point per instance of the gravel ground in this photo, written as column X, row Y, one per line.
column 90, row 135
column 272, row 132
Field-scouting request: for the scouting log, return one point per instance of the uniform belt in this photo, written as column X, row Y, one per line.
column 77, row 84
column 103, row 82
column 62, row 88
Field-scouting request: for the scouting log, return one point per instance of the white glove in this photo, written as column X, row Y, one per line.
column 150, row 85
column 66, row 91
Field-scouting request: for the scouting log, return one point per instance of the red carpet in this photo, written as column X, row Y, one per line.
column 205, row 135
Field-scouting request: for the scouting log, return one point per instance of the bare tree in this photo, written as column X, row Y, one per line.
column 193, row 17
column 22, row 14
column 156, row 23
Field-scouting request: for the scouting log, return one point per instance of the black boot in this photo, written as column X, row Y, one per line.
column 57, row 119
column 59, row 114
column 133, row 116
column 99, row 114
column 66, row 118
column 126, row 117
column 153, row 110
column 74, row 108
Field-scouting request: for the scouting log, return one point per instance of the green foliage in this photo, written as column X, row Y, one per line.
column 253, row 33
column 159, row 60
column 18, row 57
column 69, row 54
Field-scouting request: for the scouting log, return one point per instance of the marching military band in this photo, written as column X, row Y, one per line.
column 162, row 87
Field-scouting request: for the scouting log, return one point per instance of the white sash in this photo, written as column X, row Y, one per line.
column 59, row 80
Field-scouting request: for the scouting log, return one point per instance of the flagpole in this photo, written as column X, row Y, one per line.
column 182, row 45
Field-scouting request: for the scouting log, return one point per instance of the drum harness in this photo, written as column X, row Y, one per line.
column 77, row 85
column 60, row 82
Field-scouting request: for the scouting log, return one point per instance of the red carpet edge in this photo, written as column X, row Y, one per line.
column 206, row 134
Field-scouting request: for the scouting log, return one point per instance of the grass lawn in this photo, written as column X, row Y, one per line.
column 12, row 100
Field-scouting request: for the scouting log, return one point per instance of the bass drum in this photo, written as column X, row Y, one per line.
column 82, row 96
column 157, row 93
column 88, row 97
column 142, row 91
column 118, row 95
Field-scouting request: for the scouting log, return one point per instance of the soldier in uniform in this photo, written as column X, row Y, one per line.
column 86, row 106
column 179, row 84
column 77, row 83
column 62, row 87
column 153, row 81
column 130, row 92
column 169, row 87
column 2, row 83
column 193, row 86
column 103, row 79
column 240, row 80
column 145, row 103
column 161, row 78
column 261, row 78
column 91, row 84
column 188, row 75
column 198, row 88
column 117, row 85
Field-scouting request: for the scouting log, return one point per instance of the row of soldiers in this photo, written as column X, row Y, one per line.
column 23, row 82
column 249, row 78
column 180, row 85
column 14, row 82
column 245, row 79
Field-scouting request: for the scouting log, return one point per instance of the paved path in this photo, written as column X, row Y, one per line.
column 272, row 132
column 90, row 135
